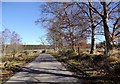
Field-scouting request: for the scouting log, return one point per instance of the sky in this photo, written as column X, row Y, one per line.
column 55, row 0
column 20, row 17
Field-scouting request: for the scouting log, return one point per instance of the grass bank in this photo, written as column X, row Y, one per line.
column 92, row 68
column 9, row 65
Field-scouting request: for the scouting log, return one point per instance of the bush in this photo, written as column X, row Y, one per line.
column 34, row 51
column 97, row 58
column 11, row 67
column 66, row 53
column 26, row 52
column 62, row 52
column 4, row 59
column 43, row 51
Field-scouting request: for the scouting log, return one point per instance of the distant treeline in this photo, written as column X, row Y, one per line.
column 32, row 47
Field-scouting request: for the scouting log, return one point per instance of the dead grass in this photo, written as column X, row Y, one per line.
column 14, row 65
column 93, row 65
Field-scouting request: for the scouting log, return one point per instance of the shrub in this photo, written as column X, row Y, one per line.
column 62, row 52
column 43, row 51
column 66, row 53
column 10, row 66
column 34, row 51
column 97, row 58
column 26, row 52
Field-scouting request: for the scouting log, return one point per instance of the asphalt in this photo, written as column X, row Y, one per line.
column 45, row 69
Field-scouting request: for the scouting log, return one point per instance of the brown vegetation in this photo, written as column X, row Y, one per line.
column 10, row 66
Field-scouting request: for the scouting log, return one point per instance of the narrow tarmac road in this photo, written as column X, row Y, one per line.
column 44, row 69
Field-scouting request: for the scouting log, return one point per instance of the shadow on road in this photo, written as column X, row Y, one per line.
column 33, row 71
column 34, row 76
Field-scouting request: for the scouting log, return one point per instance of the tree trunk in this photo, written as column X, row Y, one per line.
column 93, row 30
column 106, row 28
column 92, row 43
column 72, row 45
column 78, row 50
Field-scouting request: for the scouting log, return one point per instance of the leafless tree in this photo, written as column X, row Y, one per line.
column 107, row 8
column 71, row 22
column 15, row 45
column 5, row 40
column 65, row 24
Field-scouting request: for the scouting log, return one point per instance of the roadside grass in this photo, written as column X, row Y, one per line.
column 9, row 65
column 97, row 68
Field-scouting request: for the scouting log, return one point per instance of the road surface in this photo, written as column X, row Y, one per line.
column 44, row 69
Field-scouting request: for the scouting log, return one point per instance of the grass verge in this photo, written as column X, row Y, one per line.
column 9, row 66
column 91, row 68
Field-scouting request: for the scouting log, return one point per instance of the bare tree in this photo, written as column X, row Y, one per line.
column 65, row 24
column 5, row 40
column 15, row 43
column 104, row 13
column 71, row 22
column 93, row 19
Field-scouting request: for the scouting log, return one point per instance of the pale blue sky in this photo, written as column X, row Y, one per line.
column 21, row 17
